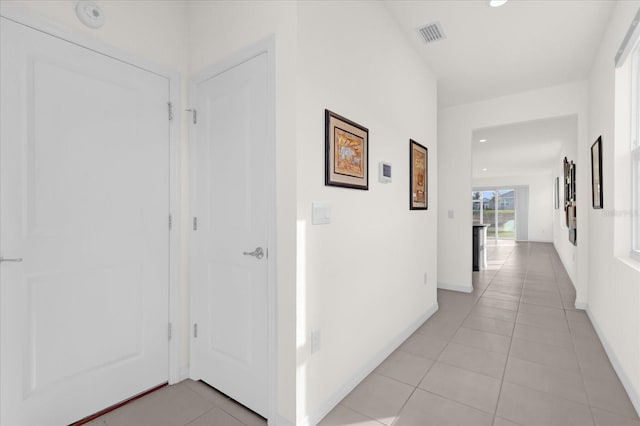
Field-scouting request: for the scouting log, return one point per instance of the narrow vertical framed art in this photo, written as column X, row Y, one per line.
column 596, row 174
column 418, row 177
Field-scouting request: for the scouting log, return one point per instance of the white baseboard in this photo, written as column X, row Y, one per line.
column 455, row 287
column 182, row 374
column 626, row 382
column 582, row 305
column 366, row 369
column 280, row 421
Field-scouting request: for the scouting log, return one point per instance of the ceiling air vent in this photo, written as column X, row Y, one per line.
column 432, row 32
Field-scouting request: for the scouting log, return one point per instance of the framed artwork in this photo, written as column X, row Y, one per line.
column 570, row 199
column 572, row 177
column 571, row 207
column 596, row 174
column 565, row 186
column 418, row 168
column 567, row 190
column 346, row 152
column 573, row 231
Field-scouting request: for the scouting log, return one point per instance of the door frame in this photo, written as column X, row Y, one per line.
column 265, row 46
column 23, row 16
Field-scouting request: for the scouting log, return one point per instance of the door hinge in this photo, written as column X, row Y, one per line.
column 194, row 112
column 195, row 330
column 170, row 106
column 170, row 221
column 169, row 332
column 195, row 223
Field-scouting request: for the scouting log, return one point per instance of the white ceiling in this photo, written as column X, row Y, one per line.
column 520, row 149
column 491, row 52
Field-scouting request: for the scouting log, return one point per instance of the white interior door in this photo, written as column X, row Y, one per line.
column 84, row 197
column 231, row 201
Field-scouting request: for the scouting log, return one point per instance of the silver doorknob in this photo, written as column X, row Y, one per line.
column 258, row 253
column 17, row 259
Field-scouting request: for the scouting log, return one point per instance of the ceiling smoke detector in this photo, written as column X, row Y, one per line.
column 432, row 32
column 89, row 13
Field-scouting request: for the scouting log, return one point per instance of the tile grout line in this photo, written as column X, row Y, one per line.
column 504, row 370
column 449, row 340
column 340, row 404
column 557, row 396
column 573, row 346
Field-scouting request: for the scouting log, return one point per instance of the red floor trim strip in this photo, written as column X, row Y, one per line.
column 118, row 405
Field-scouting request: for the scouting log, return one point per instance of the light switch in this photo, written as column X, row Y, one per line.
column 321, row 213
column 450, row 214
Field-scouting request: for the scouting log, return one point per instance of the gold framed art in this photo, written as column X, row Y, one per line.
column 418, row 176
column 346, row 153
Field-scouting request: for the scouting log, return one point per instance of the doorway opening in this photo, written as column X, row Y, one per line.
column 496, row 208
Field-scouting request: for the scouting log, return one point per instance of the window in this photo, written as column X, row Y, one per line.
column 635, row 151
column 495, row 208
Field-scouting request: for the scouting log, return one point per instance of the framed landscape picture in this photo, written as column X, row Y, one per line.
column 418, row 168
column 596, row 174
column 346, row 152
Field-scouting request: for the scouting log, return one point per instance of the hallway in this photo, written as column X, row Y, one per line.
column 513, row 352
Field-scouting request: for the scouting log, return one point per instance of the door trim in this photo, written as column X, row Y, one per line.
column 23, row 16
column 265, row 46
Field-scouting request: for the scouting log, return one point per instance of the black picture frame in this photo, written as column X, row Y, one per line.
column 346, row 153
column 418, row 176
column 597, row 196
column 567, row 190
column 572, row 207
column 570, row 204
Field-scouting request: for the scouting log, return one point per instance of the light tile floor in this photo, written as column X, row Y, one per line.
column 513, row 352
column 187, row 403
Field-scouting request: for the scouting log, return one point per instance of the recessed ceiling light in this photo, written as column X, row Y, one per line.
column 497, row 3
column 482, row 140
column 484, row 170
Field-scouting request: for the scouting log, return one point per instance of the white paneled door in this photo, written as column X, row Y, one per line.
column 84, row 197
column 230, row 191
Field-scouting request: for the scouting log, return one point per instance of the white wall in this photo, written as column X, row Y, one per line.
column 614, row 279
column 158, row 27
column 566, row 250
column 540, row 220
column 218, row 29
column 455, row 128
column 361, row 277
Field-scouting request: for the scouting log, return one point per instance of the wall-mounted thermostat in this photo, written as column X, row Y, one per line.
column 384, row 172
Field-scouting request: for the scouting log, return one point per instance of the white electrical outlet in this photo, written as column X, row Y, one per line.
column 315, row 341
